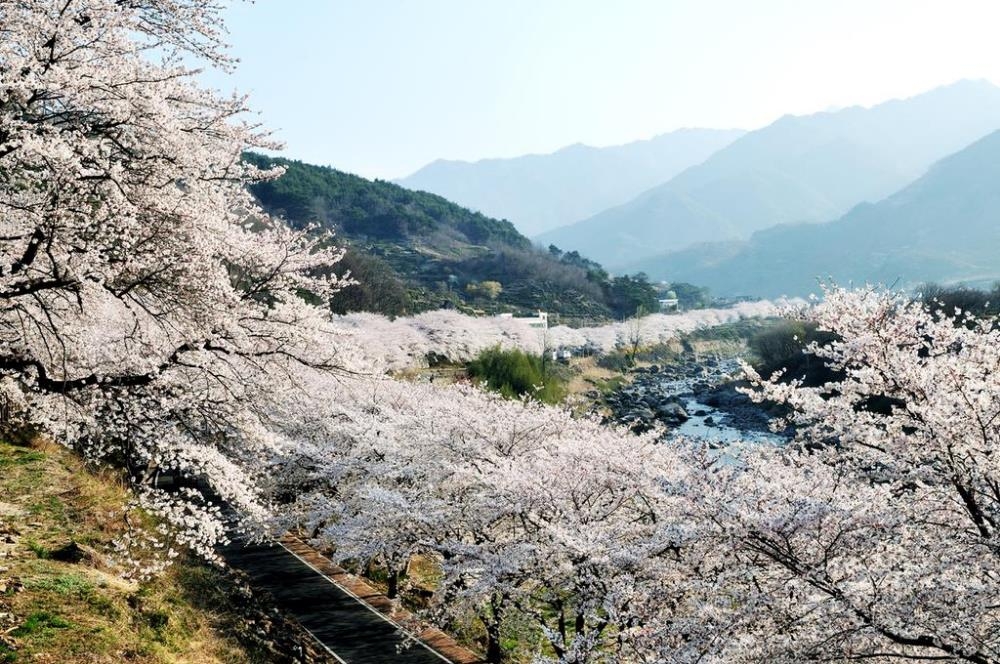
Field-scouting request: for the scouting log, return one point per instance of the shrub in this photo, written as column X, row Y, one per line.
column 948, row 299
column 616, row 360
column 780, row 347
column 514, row 373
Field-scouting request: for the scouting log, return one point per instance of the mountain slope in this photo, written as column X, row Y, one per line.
column 943, row 227
column 358, row 207
column 541, row 192
column 798, row 169
column 412, row 251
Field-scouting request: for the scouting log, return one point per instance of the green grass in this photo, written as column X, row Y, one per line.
column 40, row 623
column 51, row 506
column 21, row 457
column 606, row 387
column 37, row 549
column 62, row 584
column 73, row 613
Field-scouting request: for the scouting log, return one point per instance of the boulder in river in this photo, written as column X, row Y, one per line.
column 672, row 413
column 639, row 414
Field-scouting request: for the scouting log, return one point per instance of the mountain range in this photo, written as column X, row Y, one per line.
column 943, row 227
column 901, row 193
column 810, row 168
column 541, row 192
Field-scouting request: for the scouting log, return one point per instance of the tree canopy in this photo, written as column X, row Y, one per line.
column 150, row 314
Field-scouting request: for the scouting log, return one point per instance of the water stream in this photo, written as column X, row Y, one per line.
column 719, row 427
column 712, row 427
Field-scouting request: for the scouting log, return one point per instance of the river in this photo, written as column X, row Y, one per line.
column 694, row 399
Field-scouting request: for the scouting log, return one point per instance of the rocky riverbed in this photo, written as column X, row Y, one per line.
column 694, row 399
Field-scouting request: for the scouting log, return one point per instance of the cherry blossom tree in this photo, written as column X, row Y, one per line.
column 874, row 537
column 406, row 342
column 869, row 538
column 568, row 529
column 150, row 314
column 152, row 317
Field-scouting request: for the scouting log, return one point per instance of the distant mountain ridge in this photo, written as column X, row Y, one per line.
column 543, row 191
column 798, row 169
column 944, row 227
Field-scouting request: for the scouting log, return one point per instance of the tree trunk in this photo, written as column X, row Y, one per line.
column 494, row 652
column 393, row 582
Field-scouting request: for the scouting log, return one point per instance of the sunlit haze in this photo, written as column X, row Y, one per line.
column 382, row 87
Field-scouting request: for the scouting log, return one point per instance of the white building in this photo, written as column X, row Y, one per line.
column 539, row 321
column 669, row 304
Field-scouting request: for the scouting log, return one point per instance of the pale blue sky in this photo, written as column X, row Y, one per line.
column 381, row 87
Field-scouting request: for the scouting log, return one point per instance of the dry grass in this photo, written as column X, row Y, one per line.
column 64, row 612
column 442, row 375
column 588, row 376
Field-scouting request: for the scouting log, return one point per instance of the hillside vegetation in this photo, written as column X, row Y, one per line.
column 413, row 251
column 62, row 600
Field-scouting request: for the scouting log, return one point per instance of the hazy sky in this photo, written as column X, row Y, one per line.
column 381, row 87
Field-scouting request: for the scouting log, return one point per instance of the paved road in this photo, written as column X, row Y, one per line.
column 352, row 631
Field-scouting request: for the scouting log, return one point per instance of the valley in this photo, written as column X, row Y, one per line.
column 602, row 380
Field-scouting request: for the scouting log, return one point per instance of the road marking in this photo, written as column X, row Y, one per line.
column 325, row 647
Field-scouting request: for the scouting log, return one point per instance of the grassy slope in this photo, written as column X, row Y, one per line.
column 64, row 612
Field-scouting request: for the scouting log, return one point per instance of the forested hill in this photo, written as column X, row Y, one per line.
column 412, row 251
column 376, row 209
